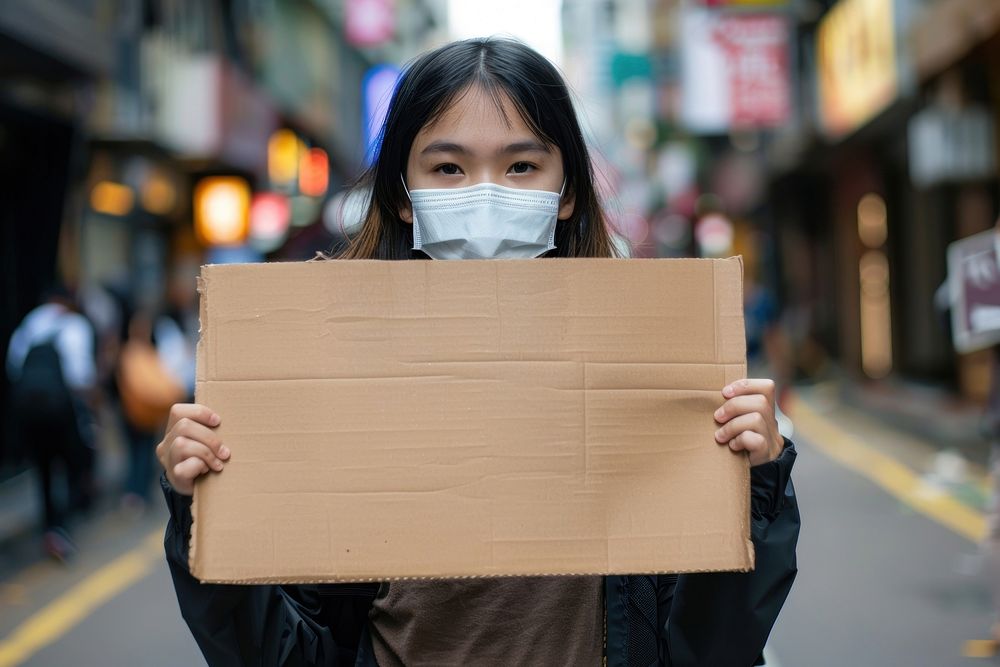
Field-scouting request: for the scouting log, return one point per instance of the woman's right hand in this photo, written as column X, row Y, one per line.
column 190, row 447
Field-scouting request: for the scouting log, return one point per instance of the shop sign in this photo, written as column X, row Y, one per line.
column 856, row 63
column 974, row 285
column 190, row 124
column 951, row 145
column 204, row 108
column 735, row 71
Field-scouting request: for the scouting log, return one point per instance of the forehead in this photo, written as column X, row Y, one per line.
column 474, row 117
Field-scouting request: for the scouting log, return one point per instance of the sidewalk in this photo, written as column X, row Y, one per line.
column 929, row 413
column 928, row 432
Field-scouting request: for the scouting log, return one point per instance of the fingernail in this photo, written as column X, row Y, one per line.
column 719, row 414
column 217, row 465
column 224, row 452
column 728, row 391
column 215, row 420
column 718, row 436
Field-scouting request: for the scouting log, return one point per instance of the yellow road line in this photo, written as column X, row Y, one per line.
column 888, row 473
column 65, row 612
column 979, row 648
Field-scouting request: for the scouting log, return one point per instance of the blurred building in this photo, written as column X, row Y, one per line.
column 840, row 145
column 895, row 159
column 139, row 139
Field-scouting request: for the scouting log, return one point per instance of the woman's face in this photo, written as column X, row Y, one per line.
column 472, row 143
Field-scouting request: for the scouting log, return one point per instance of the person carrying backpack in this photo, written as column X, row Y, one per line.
column 52, row 372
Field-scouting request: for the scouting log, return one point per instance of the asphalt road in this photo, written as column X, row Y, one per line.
column 878, row 584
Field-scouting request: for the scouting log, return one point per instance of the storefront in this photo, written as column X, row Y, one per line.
column 47, row 60
column 871, row 202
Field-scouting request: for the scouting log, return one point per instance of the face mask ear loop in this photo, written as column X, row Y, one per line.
column 562, row 190
column 417, row 241
column 406, row 190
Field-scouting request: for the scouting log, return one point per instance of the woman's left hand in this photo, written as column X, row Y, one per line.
column 748, row 422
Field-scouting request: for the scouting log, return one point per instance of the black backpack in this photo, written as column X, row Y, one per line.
column 40, row 393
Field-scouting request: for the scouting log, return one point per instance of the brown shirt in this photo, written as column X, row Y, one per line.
column 508, row 621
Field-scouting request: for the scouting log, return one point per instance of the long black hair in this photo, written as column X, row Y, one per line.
column 503, row 68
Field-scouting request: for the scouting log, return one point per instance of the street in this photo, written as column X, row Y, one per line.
column 879, row 584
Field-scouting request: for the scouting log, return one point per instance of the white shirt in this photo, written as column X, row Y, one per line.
column 175, row 352
column 73, row 339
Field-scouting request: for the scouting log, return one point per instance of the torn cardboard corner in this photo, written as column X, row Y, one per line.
column 462, row 419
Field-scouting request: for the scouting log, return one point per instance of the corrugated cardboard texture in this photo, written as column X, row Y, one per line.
column 457, row 419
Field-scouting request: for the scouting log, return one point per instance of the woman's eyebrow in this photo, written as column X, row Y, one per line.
column 443, row 147
column 525, row 147
column 516, row 147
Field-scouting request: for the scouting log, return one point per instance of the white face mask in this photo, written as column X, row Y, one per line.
column 484, row 221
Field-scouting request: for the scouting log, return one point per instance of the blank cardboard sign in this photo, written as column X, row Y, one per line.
column 463, row 419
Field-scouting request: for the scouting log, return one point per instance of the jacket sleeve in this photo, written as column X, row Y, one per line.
column 724, row 618
column 269, row 626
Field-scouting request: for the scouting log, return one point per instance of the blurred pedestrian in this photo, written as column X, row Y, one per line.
column 51, row 366
column 768, row 349
column 153, row 373
column 482, row 157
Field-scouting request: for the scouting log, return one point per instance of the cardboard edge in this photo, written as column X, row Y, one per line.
column 200, row 375
column 192, row 542
column 325, row 579
column 194, row 565
column 751, row 552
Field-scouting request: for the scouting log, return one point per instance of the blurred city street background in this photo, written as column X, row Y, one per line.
column 846, row 148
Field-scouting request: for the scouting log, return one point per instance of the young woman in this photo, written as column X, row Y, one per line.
column 482, row 156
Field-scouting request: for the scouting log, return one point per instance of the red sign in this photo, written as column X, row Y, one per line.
column 735, row 70
column 369, row 22
column 756, row 48
column 974, row 283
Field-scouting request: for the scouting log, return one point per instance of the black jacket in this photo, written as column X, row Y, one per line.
column 717, row 619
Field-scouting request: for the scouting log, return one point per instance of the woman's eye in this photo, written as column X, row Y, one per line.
column 521, row 167
column 449, row 169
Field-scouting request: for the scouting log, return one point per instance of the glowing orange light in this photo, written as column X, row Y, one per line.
column 222, row 210
column 314, row 172
column 158, row 195
column 282, row 157
column 112, row 198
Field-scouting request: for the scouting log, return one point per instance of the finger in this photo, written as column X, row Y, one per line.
column 742, row 405
column 185, row 448
column 734, row 427
column 750, row 386
column 731, row 429
column 189, row 469
column 750, row 442
column 195, row 412
column 196, row 431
